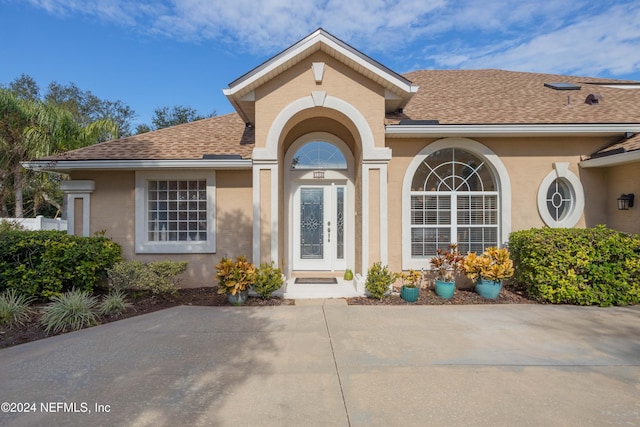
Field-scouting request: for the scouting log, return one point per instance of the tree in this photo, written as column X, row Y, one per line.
column 87, row 108
column 25, row 87
column 165, row 117
column 31, row 129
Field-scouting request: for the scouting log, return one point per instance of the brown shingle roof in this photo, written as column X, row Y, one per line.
column 625, row 145
column 217, row 135
column 508, row 97
column 449, row 96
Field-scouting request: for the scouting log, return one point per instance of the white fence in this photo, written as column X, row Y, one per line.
column 39, row 223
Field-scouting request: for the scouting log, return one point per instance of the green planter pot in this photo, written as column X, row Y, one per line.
column 488, row 289
column 409, row 294
column 239, row 298
column 445, row 289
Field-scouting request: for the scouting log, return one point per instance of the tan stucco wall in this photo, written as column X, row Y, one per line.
column 624, row 179
column 527, row 161
column 339, row 81
column 113, row 210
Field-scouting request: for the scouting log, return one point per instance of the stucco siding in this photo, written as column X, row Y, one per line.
column 623, row 179
column 527, row 160
column 113, row 210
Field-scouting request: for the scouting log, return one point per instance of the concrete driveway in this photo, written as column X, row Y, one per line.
column 324, row 363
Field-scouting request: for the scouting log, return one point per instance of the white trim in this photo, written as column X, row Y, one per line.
column 138, row 164
column 503, row 183
column 86, row 212
column 277, row 64
column 612, row 160
column 384, row 218
column 560, row 170
column 78, row 189
column 142, row 245
column 369, row 151
column 383, row 213
column 78, row 186
column 497, row 130
column 257, row 225
column 318, row 71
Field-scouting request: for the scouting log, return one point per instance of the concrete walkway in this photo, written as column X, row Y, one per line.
column 323, row 363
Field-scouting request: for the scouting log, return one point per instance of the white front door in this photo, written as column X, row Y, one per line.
column 318, row 227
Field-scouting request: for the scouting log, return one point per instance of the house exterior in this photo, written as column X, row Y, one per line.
column 333, row 161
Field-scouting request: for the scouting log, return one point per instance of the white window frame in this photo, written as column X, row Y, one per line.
column 143, row 244
column 503, row 186
column 561, row 171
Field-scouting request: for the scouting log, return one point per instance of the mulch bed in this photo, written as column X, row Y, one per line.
column 206, row 296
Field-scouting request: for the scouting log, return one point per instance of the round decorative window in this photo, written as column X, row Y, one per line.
column 561, row 197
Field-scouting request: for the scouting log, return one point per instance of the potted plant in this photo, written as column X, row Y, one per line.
column 379, row 280
column 446, row 264
column 235, row 278
column 410, row 285
column 348, row 274
column 488, row 270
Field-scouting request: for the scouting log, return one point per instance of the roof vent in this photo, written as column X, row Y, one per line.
column 593, row 99
column 562, row 86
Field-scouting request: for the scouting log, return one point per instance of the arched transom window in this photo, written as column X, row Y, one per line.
column 318, row 155
column 454, row 198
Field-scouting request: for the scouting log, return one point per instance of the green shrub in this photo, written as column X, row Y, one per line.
column 72, row 310
column 48, row 263
column 114, row 303
column 268, row 280
column 14, row 308
column 157, row 277
column 594, row 266
column 379, row 280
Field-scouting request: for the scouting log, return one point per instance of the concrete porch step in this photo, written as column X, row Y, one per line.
column 342, row 289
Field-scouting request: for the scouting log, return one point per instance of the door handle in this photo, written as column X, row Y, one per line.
column 329, row 231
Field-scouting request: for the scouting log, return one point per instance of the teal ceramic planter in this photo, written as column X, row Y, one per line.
column 488, row 289
column 409, row 294
column 444, row 289
column 239, row 298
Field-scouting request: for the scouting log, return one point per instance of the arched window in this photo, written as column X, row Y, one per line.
column 318, row 155
column 454, row 199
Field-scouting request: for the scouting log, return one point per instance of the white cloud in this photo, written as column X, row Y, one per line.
column 606, row 43
column 576, row 36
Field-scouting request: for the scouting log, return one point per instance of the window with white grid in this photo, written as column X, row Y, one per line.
column 175, row 212
column 454, row 198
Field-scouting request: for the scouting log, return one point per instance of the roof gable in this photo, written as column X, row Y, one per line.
column 240, row 93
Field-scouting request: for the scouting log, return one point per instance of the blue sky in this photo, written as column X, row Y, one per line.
column 150, row 54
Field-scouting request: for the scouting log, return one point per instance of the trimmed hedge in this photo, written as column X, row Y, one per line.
column 47, row 263
column 592, row 266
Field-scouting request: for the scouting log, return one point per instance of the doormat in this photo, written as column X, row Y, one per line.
column 316, row 280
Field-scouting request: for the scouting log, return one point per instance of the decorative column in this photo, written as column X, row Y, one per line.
column 78, row 191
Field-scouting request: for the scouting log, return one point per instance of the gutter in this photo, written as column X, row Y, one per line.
column 506, row 130
column 68, row 165
column 612, row 160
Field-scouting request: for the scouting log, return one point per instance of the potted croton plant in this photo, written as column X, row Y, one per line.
column 446, row 264
column 410, row 285
column 488, row 270
column 235, row 278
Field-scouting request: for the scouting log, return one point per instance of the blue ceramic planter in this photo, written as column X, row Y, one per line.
column 488, row 289
column 239, row 298
column 445, row 289
column 409, row 294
